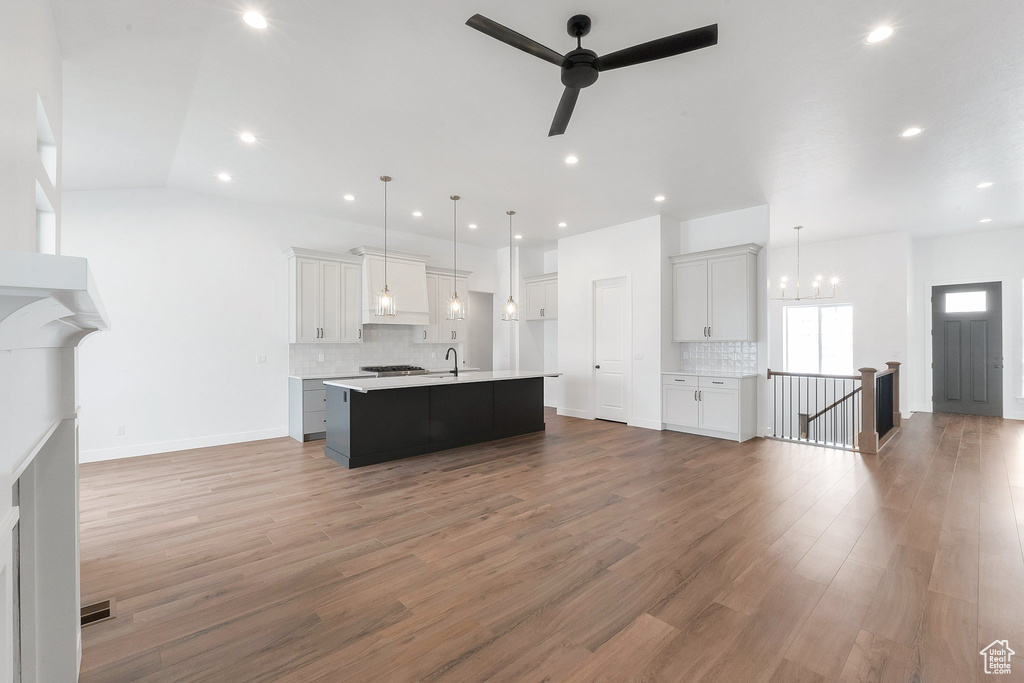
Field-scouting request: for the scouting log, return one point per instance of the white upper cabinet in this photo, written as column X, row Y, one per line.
column 406, row 277
column 714, row 295
column 541, row 296
column 440, row 330
column 324, row 294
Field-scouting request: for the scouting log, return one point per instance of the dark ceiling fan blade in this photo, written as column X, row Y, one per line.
column 507, row 35
column 668, row 46
column 564, row 111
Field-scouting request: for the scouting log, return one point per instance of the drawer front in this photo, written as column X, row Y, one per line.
column 719, row 383
column 312, row 384
column 314, row 400
column 679, row 380
column 314, row 421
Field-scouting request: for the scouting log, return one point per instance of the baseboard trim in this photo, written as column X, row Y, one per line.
column 645, row 424
column 100, row 454
column 569, row 412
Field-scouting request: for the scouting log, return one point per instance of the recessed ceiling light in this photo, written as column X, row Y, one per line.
column 472, row 226
column 880, row 34
column 519, row 237
column 660, row 198
column 255, row 19
column 417, row 213
column 562, row 224
column 571, row 160
column 350, row 198
column 225, row 177
column 985, row 220
column 982, row 186
column 248, row 137
column 911, row 132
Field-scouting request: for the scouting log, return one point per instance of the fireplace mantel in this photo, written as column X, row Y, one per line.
column 48, row 305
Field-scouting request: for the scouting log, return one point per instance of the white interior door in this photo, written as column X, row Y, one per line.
column 727, row 317
column 690, row 301
column 612, row 350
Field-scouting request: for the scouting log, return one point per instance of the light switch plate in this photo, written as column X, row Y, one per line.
column 261, row 360
column 119, row 431
column 320, row 358
column 638, row 356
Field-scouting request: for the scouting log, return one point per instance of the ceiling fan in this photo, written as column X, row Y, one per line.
column 581, row 67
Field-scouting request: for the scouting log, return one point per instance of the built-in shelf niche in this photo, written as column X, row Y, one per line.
column 47, row 241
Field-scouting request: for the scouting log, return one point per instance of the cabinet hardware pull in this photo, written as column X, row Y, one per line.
column 700, row 395
column 713, row 382
column 709, row 330
column 360, row 331
column 680, row 380
column 694, row 394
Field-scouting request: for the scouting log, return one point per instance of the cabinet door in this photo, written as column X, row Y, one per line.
column 331, row 302
column 679, row 406
column 550, row 300
column 729, row 298
column 352, row 278
column 534, row 300
column 690, row 301
column 307, row 300
column 720, row 410
column 430, row 334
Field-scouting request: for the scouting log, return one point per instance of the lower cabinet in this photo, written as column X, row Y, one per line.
column 723, row 407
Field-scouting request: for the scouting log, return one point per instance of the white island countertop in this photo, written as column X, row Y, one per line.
column 359, row 373
column 364, row 385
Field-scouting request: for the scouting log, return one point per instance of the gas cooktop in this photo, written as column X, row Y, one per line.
column 393, row 370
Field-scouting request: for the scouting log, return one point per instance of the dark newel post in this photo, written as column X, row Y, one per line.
column 869, row 430
column 895, row 367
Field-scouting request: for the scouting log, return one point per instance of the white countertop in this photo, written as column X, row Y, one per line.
column 731, row 375
column 465, row 377
column 356, row 373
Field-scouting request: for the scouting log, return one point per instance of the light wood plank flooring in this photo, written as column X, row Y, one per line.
column 592, row 552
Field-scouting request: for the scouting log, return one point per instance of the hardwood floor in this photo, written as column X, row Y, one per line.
column 592, row 552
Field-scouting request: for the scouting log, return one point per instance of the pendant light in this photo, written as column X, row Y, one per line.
column 817, row 285
column 511, row 311
column 386, row 300
column 456, row 311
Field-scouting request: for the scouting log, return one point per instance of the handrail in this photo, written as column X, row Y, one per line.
column 772, row 373
column 812, row 418
column 883, row 373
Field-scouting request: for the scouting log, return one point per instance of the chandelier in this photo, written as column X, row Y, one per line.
column 816, row 284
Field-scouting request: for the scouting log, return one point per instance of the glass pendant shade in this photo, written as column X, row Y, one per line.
column 386, row 300
column 456, row 311
column 510, row 312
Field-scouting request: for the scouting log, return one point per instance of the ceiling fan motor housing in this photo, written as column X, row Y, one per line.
column 579, row 70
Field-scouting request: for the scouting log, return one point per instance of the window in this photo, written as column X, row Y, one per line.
column 819, row 339
column 966, row 302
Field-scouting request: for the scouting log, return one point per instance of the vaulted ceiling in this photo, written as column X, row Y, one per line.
column 791, row 108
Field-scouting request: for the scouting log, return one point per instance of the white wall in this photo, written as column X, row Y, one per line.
column 873, row 278
column 30, row 70
column 196, row 288
column 633, row 250
column 977, row 257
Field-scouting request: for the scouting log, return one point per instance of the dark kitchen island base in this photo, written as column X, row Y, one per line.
column 391, row 424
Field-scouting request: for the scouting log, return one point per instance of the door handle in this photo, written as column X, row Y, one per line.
column 598, row 367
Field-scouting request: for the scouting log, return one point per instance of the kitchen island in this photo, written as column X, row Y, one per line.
column 374, row 420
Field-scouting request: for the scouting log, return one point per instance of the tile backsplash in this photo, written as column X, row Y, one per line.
column 709, row 357
column 382, row 345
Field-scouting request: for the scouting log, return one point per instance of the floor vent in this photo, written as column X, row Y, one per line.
column 97, row 611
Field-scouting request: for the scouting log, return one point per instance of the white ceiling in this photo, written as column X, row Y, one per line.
column 791, row 108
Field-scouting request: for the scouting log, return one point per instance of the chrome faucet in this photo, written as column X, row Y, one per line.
column 450, row 351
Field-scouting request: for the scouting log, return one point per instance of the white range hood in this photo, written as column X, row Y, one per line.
column 407, row 280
